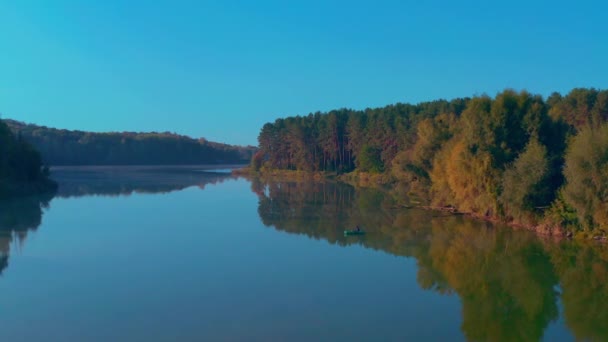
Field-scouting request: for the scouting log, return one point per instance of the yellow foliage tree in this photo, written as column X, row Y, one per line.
column 466, row 180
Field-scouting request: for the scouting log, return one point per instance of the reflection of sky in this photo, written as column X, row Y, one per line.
column 78, row 181
column 185, row 265
column 195, row 264
column 557, row 330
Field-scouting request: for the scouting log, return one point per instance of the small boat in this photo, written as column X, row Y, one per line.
column 354, row 232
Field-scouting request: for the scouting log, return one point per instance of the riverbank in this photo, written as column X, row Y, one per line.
column 387, row 183
column 284, row 175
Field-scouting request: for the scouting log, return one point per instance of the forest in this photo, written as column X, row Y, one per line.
column 21, row 168
column 515, row 157
column 65, row 147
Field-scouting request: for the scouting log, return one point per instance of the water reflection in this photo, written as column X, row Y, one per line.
column 124, row 181
column 512, row 285
column 507, row 280
column 18, row 217
column 23, row 215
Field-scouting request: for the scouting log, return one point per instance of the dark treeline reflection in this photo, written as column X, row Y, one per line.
column 18, row 217
column 509, row 282
column 22, row 215
column 121, row 181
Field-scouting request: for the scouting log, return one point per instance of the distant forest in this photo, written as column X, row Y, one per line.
column 21, row 168
column 65, row 147
column 516, row 157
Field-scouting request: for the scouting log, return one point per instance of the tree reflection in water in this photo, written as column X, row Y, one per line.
column 18, row 218
column 509, row 282
column 23, row 215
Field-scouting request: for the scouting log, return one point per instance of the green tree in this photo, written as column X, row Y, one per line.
column 524, row 184
column 369, row 160
column 21, row 167
column 586, row 172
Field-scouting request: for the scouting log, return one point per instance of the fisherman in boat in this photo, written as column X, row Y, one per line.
column 357, row 229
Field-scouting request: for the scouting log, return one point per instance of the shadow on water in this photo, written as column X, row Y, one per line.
column 509, row 282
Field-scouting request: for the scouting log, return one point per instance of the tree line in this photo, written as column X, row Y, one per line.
column 517, row 156
column 66, row 147
column 21, row 167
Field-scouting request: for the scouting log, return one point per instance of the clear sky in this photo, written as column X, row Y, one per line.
column 221, row 69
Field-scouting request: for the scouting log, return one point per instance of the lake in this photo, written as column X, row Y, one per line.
column 165, row 254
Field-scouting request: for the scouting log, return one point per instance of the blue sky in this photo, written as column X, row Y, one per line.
column 221, row 69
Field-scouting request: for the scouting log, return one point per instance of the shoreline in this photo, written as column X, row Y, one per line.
column 379, row 181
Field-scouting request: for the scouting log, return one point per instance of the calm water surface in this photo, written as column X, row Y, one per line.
column 177, row 254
